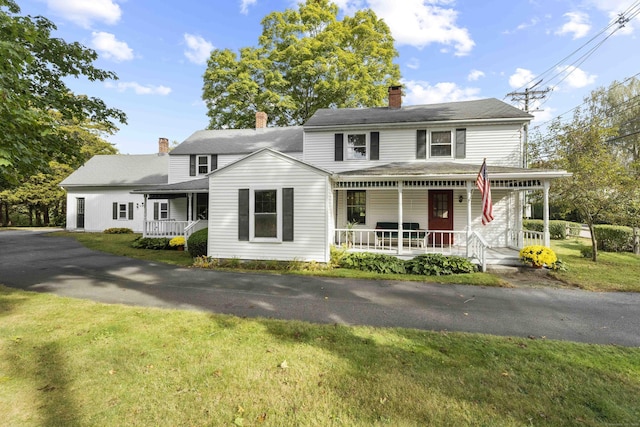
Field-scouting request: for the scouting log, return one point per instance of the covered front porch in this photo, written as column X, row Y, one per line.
column 174, row 210
column 411, row 209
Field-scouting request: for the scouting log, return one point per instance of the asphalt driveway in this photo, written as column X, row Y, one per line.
column 32, row 261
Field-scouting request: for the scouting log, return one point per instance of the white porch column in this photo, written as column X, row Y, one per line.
column 144, row 217
column 469, row 189
column 189, row 206
column 519, row 211
column 400, row 240
column 545, row 215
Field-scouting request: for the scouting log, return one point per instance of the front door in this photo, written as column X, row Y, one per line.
column 80, row 212
column 440, row 216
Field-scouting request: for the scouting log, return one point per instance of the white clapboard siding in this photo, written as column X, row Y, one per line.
column 179, row 165
column 500, row 144
column 98, row 214
column 266, row 170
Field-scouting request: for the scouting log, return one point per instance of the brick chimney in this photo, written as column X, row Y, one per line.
column 395, row 97
column 163, row 145
column 261, row 120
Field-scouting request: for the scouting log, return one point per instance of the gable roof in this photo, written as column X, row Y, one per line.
column 242, row 141
column 120, row 170
column 481, row 109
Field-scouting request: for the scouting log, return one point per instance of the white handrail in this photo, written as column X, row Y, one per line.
column 478, row 246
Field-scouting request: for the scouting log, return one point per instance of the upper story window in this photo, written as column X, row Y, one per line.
column 203, row 165
column 357, row 146
column 441, row 144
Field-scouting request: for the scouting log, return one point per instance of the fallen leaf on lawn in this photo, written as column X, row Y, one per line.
column 239, row 421
column 111, row 371
column 505, row 374
column 240, row 409
column 262, row 417
column 283, row 365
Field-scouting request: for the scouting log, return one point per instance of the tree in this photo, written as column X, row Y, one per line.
column 306, row 59
column 32, row 71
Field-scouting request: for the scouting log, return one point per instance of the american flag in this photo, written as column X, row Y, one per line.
column 482, row 182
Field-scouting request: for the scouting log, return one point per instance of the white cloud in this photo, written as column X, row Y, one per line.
column 531, row 23
column 244, row 6
column 139, row 89
column 110, row 47
column 522, row 77
column 420, row 92
column 414, row 63
column 85, row 12
column 418, row 23
column 543, row 115
column 578, row 25
column 198, row 49
column 575, row 77
column 474, row 75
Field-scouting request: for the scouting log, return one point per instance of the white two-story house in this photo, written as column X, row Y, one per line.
column 397, row 180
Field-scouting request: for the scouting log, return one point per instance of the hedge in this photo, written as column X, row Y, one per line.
column 557, row 229
column 614, row 238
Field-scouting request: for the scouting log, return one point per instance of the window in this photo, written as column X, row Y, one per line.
column 441, row 144
column 160, row 210
column 265, row 213
column 122, row 210
column 357, row 147
column 203, row 165
column 356, row 206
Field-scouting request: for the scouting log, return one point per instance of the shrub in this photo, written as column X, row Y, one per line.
column 586, row 252
column 337, row 253
column 439, row 265
column 150, row 243
column 197, row 243
column 533, row 225
column 117, row 230
column 377, row 263
column 538, row 255
column 613, row 238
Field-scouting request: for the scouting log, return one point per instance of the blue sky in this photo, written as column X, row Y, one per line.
column 448, row 51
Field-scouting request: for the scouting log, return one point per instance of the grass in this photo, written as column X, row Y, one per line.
column 612, row 272
column 71, row 362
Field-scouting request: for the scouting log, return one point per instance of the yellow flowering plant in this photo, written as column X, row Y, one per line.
column 176, row 241
column 538, row 255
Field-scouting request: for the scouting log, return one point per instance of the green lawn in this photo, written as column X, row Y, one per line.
column 612, row 271
column 71, row 362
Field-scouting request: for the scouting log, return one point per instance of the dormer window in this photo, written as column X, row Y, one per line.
column 357, row 146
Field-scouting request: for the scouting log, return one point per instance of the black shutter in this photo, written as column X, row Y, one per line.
column 192, row 165
column 339, row 147
column 115, row 210
column 130, row 210
column 375, row 146
column 243, row 214
column 156, row 209
column 287, row 214
column 214, row 162
column 421, row 144
column 461, row 143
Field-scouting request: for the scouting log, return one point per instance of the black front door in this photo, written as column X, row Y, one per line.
column 80, row 212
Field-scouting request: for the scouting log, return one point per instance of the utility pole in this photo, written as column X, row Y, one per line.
column 529, row 94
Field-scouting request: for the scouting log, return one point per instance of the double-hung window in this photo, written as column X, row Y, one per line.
column 203, row 165
column 122, row 211
column 357, row 206
column 265, row 213
column 440, row 144
column 357, row 146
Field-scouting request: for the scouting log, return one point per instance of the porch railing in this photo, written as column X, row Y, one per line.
column 411, row 242
column 517, row 239
column 165, row 228
column 478, row 249
column 192, row 228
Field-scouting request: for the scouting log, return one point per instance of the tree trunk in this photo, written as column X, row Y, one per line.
column 30, row 216
column 636, row 240
column 45, row 214
column 594, row 243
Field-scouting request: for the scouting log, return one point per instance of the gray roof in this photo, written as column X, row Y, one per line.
column 120, row 170
column 481, row 109
column 242, row 141
column 421, row 168
column 194, row 185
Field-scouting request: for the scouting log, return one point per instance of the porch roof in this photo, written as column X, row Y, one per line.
column 446, row 170
column 200, row 185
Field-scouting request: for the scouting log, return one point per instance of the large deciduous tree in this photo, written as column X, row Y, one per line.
column 33, row 67
column 306, row 59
